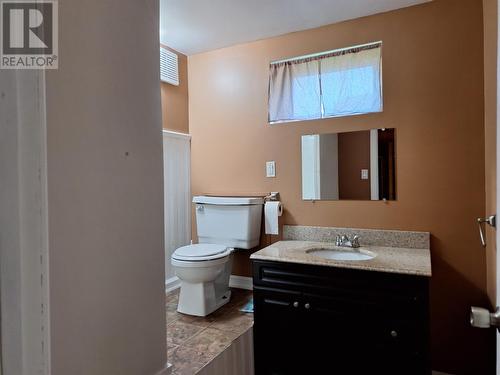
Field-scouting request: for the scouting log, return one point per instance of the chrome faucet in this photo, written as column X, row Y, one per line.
column 344, row 241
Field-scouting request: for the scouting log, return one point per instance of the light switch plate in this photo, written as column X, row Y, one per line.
column 270, row 169
column 364, row 174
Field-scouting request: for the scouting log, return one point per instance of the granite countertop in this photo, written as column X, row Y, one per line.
column 403, row 260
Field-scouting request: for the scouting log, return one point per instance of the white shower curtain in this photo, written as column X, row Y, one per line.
column 177, row 191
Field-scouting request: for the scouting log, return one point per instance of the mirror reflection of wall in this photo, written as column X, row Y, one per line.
column 356, row 165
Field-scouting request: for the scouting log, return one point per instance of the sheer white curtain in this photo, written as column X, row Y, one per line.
column 177, row 190
column 351, row 83
column 337, row 83
column 294, row 91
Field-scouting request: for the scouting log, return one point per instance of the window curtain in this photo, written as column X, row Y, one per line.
column 339, row 83
column 294, row 91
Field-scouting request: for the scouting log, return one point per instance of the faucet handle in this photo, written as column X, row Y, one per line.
column 338, row 240
column 355, row 241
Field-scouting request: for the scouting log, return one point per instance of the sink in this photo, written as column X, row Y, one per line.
column 342, row 254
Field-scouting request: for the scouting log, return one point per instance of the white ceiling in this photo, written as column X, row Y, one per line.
column 193, row 26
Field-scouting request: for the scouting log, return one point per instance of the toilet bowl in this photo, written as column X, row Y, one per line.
column 204, row 271
column 223, row 224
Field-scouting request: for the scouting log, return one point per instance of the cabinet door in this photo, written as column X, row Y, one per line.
column 277, row 331
column 399, row 346
column 336, row 336
column 355, row 336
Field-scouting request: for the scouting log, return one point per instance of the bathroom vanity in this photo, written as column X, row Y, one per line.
column 316, row 315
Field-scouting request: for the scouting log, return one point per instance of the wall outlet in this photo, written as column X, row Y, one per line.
column 364, row 174
column 270, row 169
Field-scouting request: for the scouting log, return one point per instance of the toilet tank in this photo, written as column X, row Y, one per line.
column 234, row 222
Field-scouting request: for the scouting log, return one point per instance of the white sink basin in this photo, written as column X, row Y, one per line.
column 341, row 254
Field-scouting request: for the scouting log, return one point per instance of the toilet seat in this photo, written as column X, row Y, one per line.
column 201, row 253
column 199, row 264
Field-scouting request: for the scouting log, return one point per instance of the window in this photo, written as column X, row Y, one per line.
column 337, row 83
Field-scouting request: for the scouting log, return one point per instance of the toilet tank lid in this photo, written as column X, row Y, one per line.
column 228, row 201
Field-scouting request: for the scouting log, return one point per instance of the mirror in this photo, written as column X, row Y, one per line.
column 358, row 165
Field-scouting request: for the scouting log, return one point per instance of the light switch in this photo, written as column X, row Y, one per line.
column 364, row 174
column 270, row 169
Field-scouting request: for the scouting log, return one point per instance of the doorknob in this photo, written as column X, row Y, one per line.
column 482, row 318
column 491, row 221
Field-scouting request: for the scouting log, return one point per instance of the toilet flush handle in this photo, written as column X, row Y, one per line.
column 199, row 208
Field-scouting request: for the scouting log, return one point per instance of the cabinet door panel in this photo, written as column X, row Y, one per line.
column 277, row 331
column 361, row 337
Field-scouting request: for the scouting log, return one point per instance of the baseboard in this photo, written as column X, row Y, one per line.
column 172, row 284
column 167, row 370
column 241, row 282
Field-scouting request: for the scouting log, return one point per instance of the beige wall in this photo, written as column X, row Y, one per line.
column 174, row 99
column 105, row 194
column 433, row 96
column 490, row 14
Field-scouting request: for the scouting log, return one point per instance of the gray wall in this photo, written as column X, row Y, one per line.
column 105, row 191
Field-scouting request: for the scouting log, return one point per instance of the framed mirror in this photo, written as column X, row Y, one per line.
column 359, row 165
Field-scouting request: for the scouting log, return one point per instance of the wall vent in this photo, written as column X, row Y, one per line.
column 169, row 67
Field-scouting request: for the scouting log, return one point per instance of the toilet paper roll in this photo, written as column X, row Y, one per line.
column 272, row 211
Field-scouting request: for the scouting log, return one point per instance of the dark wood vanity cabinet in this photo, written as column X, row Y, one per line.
column 326, row 320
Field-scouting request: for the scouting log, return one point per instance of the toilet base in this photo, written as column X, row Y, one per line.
column 201, row 299
column 204, row 285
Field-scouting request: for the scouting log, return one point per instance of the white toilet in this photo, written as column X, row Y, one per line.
column 223, row 224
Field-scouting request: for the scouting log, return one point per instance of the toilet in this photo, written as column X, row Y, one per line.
column 223, row 225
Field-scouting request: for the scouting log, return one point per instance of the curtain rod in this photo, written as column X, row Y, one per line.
column 325, row 53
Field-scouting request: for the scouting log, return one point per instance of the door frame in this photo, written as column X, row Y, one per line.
column 497, row 188
column 497, row 232
column 24, row 276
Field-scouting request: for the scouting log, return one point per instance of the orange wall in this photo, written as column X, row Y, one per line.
column 490, row 119
column 433, row 96
column 174, row 99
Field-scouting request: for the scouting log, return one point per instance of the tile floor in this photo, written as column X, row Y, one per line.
column 192, row 342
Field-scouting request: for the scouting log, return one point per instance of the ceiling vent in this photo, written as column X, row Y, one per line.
column 169, row 67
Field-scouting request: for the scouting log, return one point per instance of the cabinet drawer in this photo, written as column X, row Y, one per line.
column 277, row 301
column 364, row 303
column 404, row 291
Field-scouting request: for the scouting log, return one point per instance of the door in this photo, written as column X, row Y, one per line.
column 492, row 133
column 492, row 185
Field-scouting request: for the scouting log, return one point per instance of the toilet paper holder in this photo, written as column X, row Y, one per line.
column 273, row 196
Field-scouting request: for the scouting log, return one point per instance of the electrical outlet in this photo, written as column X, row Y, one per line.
column 270, row 169
column 364, row 174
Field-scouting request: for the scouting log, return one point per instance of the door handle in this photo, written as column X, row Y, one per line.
column 482, row 318
column 491, row 221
